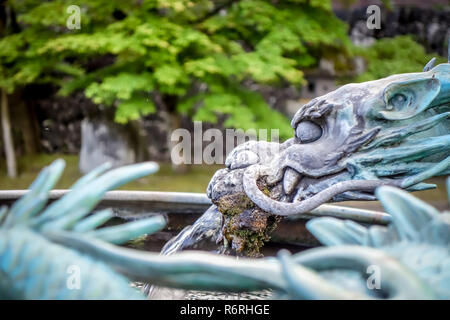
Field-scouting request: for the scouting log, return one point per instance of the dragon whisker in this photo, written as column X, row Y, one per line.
column 421, row 186
column 406, row 153
column 396, row 135
column 308, row 205
column 399, row 169
column 435, row 170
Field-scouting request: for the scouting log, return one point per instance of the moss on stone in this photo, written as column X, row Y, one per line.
column 138, row 243
column 246, row 226
column 252, row 242
column 234, row 204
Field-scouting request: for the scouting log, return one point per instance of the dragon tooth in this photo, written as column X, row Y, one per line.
column 275, row 178
column 290, row 180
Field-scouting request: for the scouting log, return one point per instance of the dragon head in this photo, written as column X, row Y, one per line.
column 391, row 131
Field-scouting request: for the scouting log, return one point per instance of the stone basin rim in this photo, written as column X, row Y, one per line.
column 191, row 198
column 122, row 195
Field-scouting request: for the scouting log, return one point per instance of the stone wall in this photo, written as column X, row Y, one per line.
column 429, row 25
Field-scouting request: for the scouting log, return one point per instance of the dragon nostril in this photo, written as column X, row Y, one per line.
column 308, row 131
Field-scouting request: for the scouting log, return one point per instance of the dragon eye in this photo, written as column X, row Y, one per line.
column 397, row 101
column 308, row 131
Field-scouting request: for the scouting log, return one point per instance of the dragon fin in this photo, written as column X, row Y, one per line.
column 409, row 214
column 128, row 231
column 91, row 195
column 332, row 231
column 37, row 196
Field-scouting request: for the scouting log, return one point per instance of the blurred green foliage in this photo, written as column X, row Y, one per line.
column 390, row 56
column 195, row 180
column 202, row 57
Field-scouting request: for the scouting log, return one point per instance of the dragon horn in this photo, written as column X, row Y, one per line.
column 429, row 65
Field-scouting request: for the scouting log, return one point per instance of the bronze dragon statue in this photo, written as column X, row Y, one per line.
column 389, row 132
column 358, row 142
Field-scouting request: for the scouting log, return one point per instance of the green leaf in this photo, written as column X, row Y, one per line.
column 133, row 109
